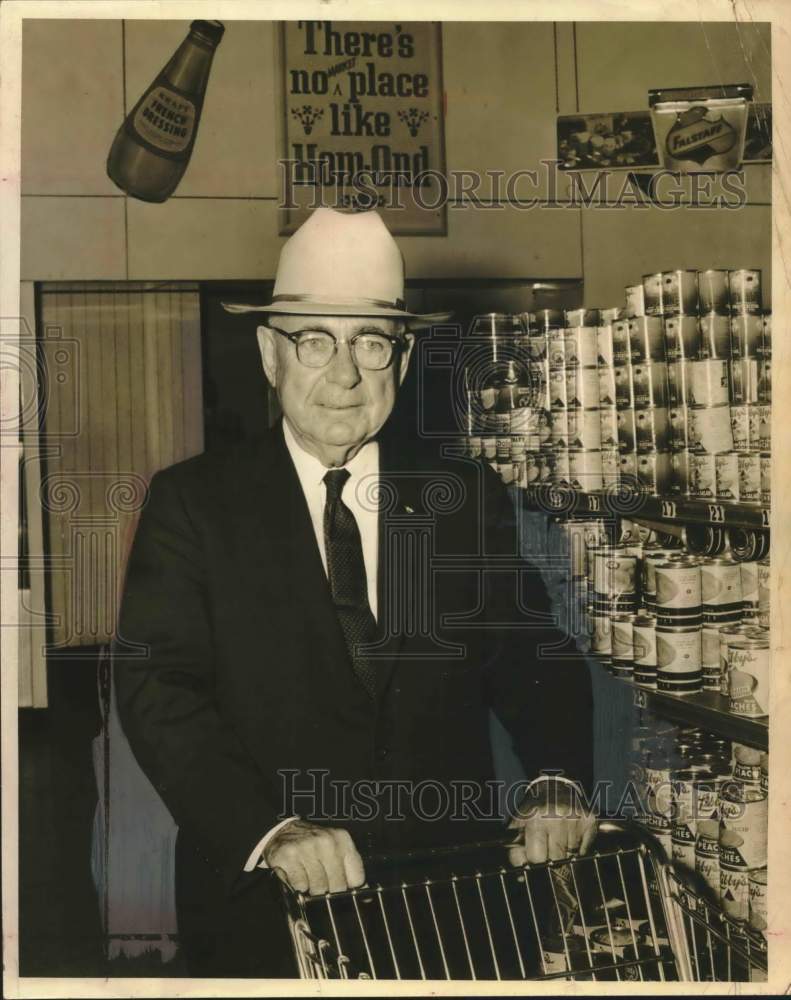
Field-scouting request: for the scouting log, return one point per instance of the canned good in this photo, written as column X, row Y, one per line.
column 748, row 573
column 628, row 467
column 702, row 475
column 764, row 580
column 489, row 448
column 678, row 668
column 685, row 815
column 556, row 348
column 649, row 384
column 747, row 335
column 621, row 350
column 544, row 425
column 580, row 346
column 608, row 422
column 609, row 467
column 611, row 314
column 745, row 815
column 704, row 539
column 652, row 429
column 679, row 388
column 707, row 854
column 607, row 394
column 713, row 291
column 584, row 429
column 614, row 572
column 744, row 291
column 764, row 785
column 749, row 670
column 537, row 345
column 622, row 644
column 653, row 294
column 726, row 469
column 721, row 585
column 678, row 419
column 503, row 449
column 635, row 302
column 743, row 381
column 733, row 878
column 646, row 339
column 764, row 391
column 728, row 633
column 764, row 428
column 559, row 431
column 756, row 899
column 582, row 387
column 582, row 317
column 604, row 346
column 747, row 544
column 740, row 427
column 557, row 389
column 749, row 466
column 682, row 337
column 560, row 467
column 546, row 466
column 601, row 637
column 499, row 422
column 626, row 423
column 708, row 382
column 548, row 319
column 585, row 469
column 679, row 472
column 766, row 478
column 644, row 647
column 653, row 472
column 715, row 336
column 624, row 398
column 710, row 428
column 747, row 766
column 680, row 292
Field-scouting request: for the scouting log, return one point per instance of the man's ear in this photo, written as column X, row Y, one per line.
column 406, row 353
column 268, row 349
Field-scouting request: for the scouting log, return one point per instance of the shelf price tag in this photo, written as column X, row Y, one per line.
column 594, row 503
column 765, row 518
column 668, row 508
column 716, row 513
column 640, row 698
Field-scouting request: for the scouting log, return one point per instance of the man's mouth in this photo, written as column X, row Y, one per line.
column 340, row 406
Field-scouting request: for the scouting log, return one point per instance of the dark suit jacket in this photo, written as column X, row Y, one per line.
column 247, row 685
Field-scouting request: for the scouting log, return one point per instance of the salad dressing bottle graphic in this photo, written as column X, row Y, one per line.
column 153, row 146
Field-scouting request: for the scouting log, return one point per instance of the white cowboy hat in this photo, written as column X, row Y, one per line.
column 341, row 264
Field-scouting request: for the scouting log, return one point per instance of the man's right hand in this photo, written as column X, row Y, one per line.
column 315, row 859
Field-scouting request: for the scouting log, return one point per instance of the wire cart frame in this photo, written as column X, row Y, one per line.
column 619, row 913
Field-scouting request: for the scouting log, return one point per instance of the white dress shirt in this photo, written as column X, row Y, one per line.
column 359, row 494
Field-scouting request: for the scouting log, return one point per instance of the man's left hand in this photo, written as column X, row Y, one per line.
column 552, row 824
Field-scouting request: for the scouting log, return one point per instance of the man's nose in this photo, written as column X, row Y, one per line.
column 342, row 370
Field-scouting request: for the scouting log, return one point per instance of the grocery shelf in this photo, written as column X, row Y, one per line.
column 632, row 503
column 706, row 709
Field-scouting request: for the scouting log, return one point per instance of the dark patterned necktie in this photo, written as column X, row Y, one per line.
column 348, row 580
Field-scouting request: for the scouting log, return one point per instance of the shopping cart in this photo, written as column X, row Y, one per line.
column 619, row 913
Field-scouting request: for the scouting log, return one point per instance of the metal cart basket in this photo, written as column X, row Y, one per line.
column 619, row 913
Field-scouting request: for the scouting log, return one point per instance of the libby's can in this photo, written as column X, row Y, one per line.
column 746, row 815
column 604, row 346
column 653, row 294
column 607, row 393
column 749, row 671
column 646, row 339
column 708, row 382
column 678, row 592
column 710, row 428
column 756, row 899
column 678, row 668
column 653, row 472
column 713, row 291
column 679, row 389
column 610, row 462
column 749, row 467
column 707, row 854
column 685, row 815
column 585, row 470
column 584, row 429
column 582, row 387
column 626, row 422
column 635, row 302
column 766, row 478
column 740, row 427
column 746, row 767
column 652, row 429
column 702, row 475
column 715, row 336
column 726, row 468
column 764, row 428
column 682, row 338
column 728, row 633
column 608, row 422
column 680, row 292
column 580, row 346
column 764, row 783
column 733, row 877
column 624, row 398
column 744, row 291
column 679, row 471
column 649, row 384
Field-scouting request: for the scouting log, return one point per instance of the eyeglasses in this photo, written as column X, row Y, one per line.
column 316, row 348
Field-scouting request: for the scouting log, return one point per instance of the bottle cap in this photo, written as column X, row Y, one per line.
column 210, row 31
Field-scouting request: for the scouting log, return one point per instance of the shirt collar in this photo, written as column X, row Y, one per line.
column 310, row 470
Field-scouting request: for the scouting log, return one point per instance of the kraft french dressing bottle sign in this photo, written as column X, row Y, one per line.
column 165, row 120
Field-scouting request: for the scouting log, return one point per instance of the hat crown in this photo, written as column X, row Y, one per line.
column 341, row 257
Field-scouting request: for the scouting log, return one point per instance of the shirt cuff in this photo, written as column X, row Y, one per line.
column 256, row 859
column 554, row 777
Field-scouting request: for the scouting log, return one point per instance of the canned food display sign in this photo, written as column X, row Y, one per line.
column 362, row 121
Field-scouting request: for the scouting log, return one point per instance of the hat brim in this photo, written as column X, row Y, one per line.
column 415, row 320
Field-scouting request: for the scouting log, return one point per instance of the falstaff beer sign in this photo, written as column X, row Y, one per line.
column 362, row 121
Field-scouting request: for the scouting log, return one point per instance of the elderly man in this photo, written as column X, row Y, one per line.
column 329, row 614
